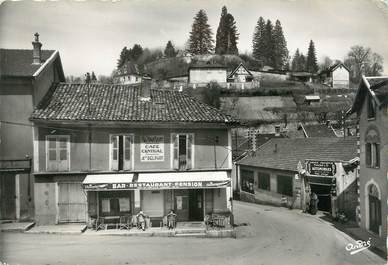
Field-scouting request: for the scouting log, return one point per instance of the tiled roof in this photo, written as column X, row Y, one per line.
column 290, row 151
column 318, row 130
column 19, row 62
column 69, row 102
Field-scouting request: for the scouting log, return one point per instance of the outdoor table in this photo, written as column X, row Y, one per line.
column 112, row 221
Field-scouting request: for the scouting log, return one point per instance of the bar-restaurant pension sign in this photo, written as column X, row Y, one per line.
column 157, row 185
column 152, row 148
column 321, row 168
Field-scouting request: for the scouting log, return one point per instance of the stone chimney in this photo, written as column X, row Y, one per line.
column 36, row 52
column 145, row 88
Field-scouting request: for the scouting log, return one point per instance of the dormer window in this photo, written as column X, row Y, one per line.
column 371, row 108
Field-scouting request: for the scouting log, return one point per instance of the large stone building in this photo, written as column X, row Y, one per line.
column 25, row 77
column 113, row 150
column 371, row 106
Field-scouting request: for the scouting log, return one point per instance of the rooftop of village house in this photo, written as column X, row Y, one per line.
column 285, row 153
column 126, row 103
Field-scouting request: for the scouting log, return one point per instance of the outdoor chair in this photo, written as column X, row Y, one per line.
column 125, row 222
column 208, row 221
column 163, row 223
column 100, row 223
column 134, row 221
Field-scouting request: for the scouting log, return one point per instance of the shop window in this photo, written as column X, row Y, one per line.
column 183, row 151
column 264, row 181
column 371, row 108
column 284, row 185
column 57, row 152
column 247, row 181
column 115, row 206
column 121, row 152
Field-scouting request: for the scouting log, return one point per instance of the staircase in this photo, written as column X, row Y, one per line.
column 190, row 229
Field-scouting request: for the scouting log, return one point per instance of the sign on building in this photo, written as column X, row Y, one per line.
column 152, row 148
column 321, row 168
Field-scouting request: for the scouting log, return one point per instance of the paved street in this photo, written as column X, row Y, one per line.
column 273, row 236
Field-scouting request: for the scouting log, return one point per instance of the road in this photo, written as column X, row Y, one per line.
column 273, row 236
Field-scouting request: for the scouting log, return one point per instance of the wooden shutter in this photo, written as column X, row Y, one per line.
column 114, row 142
column 63, row 153
column 127, row 152
column 189, row 148
column 175, row 153
column 376, row 155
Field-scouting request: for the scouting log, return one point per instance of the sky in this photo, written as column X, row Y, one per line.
column 89, row 35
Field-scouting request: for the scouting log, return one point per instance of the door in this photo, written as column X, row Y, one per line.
column 153, row 203
column 195, row 205
column 71, row 203
column 324, row 196
column 7, row 196
column 374, row 214
column 181, row 204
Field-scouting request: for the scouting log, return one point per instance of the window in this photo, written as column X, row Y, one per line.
column 115, row 206
column 57, row 153
column 264, row 181
column 372, row 147
column 371, row 108
column 183, row 151
column 284, row 185
column 277, row 130
column 247, row 181
column 372, row 155
column 121, row 152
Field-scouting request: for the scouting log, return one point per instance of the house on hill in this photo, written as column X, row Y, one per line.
column 129, row 73
column 371, row 107
column 25, row 77
column 132, row 148
column 241, row 78
column 282, row 171
column 336, row 76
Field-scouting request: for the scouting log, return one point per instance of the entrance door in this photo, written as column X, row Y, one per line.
column 71, row 203
column 7, row 196
column 374, row 209
column 324, row 196
column 195, row 205
column 181, row 204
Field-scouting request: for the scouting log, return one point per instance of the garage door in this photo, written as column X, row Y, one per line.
column 71, row 203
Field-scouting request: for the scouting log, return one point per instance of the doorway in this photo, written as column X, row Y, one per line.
column 7, row 196
column 188, row 205
column 374, row 209
column 324, row 196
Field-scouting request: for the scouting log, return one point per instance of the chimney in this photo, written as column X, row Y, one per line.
column 276, row 148
column 36, row 53
column 145, row 89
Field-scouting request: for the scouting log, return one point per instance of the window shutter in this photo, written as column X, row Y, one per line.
column 127, row 152
column 189, row 144
column 114, row 152
column 377, row 155
column 175, row 142
column 368, row 154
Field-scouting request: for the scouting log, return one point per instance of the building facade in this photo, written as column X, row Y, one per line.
column 371, row 106
column 25, row 77
column 336, row 76
column 128, row 73
column 284, row 171
column 202, row 75
column 135, row 149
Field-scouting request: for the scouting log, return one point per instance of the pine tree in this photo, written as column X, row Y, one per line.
column 221, row 36
column 258, row 40
column 135, row 53
column 93, row 78
column 169, row 51
column 302, row 63
column 232, row 35
column 200, row 40
column 123, row 57
column 295, row 61
column 311, row 62
column 269, row 58
column 227, row 36
column 280, row 47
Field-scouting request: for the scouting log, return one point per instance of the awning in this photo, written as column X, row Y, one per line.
column 107, row 181
column 183, row 180
column 158, row 181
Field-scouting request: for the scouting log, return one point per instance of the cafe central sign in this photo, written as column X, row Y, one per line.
column 152, row 148
column 157, row 185
column 321, row 168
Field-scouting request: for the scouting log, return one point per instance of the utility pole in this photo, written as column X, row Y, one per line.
column 89, row 125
